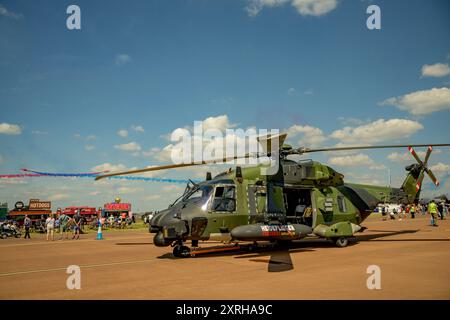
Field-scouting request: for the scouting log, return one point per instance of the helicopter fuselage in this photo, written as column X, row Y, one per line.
column 243, row 205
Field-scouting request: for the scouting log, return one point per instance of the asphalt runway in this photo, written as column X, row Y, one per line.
column 414, row 260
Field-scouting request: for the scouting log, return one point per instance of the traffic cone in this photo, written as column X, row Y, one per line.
column 99, row 232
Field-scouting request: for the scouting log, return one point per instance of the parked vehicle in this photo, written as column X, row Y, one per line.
column 9, row 229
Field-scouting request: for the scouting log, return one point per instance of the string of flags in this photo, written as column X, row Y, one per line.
column 34, row 174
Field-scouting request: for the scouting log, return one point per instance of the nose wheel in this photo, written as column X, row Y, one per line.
column 341, row 242
column 181, row 251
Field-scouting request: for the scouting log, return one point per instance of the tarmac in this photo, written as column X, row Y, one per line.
column 413, row 257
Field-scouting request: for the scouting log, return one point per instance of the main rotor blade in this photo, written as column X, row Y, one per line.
column 307, row 150
column 427, row 156
column 414, row 154
column 433, row 177
column 171, row 166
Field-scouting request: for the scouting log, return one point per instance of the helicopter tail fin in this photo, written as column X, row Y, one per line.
column 413, row 182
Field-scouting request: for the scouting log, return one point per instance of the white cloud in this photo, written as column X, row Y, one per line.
column 17, row 181
column 164, row 155
column 131, row 146
column 58, row 197
column 407, row 157
column 91, row 137
column 311, row 135
column 6, row 13
column 377, row 131
column 358, row 160
column 377, row 167
column 128, row 190
column 304, row 7
column 122, row 59
column 422, row 101
column 89, row 147
column 122, row 133
column 138, row 128
column 10, row 129
column 219, row 123
column 372, row 179
column 151, row 152
column 172, row 189
column 350, row 121
column 108, row 167
column 255, row 6
column 314, row 7
column 291, row 91
column 152, row 197
column 441, row 168
column 435, row 70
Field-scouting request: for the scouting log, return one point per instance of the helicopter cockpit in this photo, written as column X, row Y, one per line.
column 219, row 196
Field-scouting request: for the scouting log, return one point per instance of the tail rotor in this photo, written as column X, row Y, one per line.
column 423, row 165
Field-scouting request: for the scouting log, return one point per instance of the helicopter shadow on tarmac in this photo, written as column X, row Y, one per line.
column 278, row 257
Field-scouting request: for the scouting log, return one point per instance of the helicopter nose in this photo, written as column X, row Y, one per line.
column 167, row 228
column 160, row 241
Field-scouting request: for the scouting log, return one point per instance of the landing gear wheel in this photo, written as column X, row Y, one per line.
column 341, row 242
column 4, row 236
column 181, row 251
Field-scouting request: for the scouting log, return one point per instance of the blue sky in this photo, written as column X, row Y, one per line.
column 311, row 70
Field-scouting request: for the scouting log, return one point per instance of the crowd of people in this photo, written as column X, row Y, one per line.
column 72, row 226
column 61, row 223
column 435, row 210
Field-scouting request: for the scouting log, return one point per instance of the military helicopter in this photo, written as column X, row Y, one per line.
column 303, row 198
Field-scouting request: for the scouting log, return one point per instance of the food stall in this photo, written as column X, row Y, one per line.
column 88, row 213
column 36, row 210
column 117, row 209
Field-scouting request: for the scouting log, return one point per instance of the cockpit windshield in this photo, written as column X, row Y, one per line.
column 199, row 193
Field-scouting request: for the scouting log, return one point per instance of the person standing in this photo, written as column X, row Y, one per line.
column 27, row 225
column 441, row 210
column 57, row 223
column 383, row 212
column 401, row 212
column 77, row 226
column 50, row 224
column 412, row 210
column 63, row 220
column 432, row 209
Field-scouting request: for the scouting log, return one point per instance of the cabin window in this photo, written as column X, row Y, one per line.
column 224, row 199
column 341, row 204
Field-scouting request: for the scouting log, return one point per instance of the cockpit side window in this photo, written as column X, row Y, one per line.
column 224, row 199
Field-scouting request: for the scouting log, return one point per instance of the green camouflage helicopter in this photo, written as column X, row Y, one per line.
column 303, row 198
